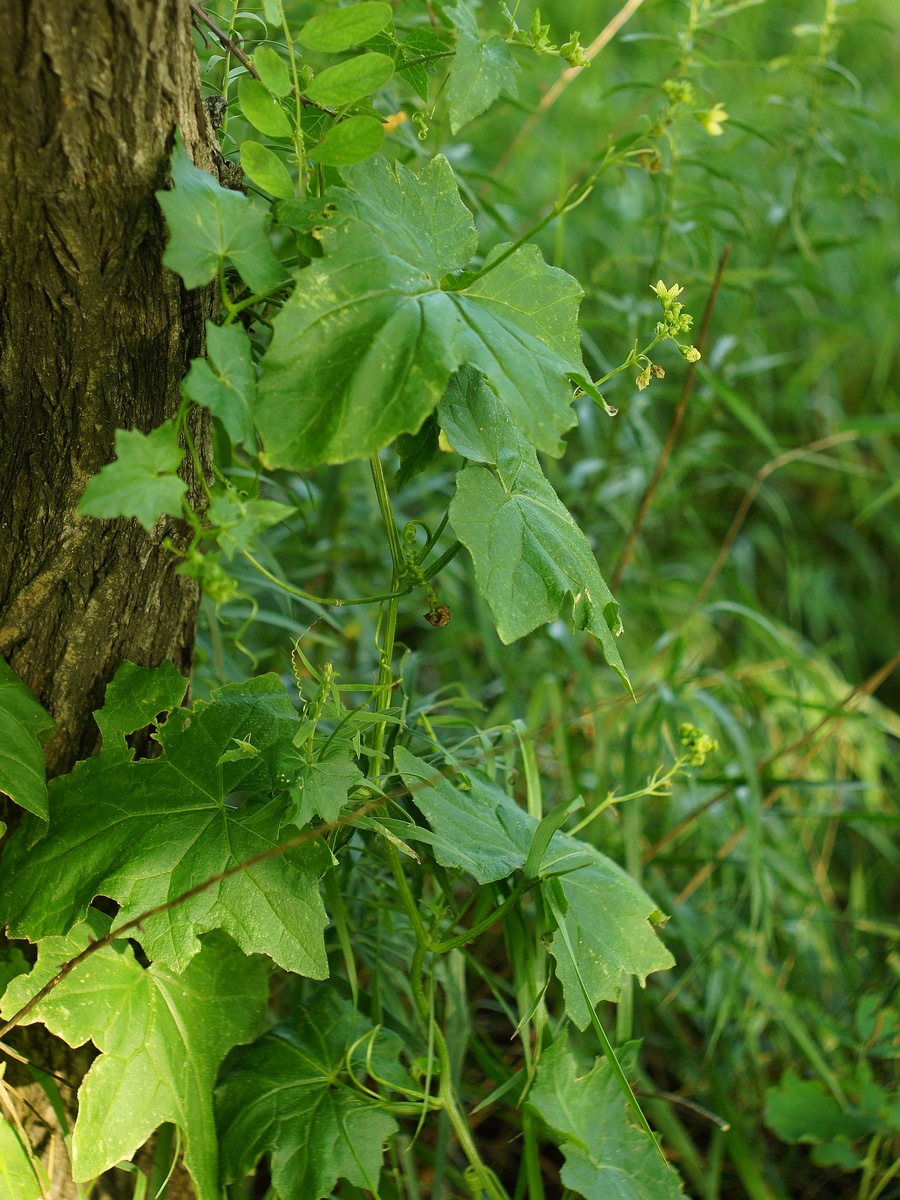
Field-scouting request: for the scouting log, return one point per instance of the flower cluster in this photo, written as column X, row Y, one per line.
column 696, row 743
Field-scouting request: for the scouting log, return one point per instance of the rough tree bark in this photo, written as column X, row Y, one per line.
column 94, row 334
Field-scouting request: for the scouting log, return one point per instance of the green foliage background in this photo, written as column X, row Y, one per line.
column 769, row 1050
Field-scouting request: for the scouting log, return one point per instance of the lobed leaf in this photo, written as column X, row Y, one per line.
column 393, row 335
column 161, row 1039
column 607, row 1157
column 480, row 71
column 290, row 1093
column 481, row 830
column 190, row 814
column 530, row 556
column 225, row 383
column 141, row 482
column 209, row 223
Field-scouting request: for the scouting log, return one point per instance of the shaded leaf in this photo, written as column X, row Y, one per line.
column 416, row 451
column 24, row 727
column 226, row 382
column 290, row 1093
column 141, row 482
column 175, row 832
column 530, row 556
column 607, row 1156
column 161, row 1038
column 481, row 69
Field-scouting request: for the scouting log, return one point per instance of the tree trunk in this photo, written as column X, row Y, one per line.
column 94, row 334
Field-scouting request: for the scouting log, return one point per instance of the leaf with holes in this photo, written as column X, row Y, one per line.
column 191, row 814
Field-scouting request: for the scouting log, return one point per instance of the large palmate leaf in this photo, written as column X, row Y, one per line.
column 290, row 1093
column 607, row 1156
column 146, row 832
column 609, row 918
column 530, row 557
column 364, row 348
column 481, row 69
column 24, row 726
column 161, row 1038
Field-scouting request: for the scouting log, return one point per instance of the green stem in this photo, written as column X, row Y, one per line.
column 571, row 200
column 385, row 671
column 298, row 105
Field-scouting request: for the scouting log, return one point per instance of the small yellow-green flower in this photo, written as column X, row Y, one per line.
column 713, row 119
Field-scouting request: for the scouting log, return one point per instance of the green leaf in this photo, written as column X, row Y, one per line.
column 395, row 336
column 142, row 481
column 609, row 918
column 208, row 223
column 481, row 70
column 350, row 81
column 24, row 727
column 21, row 1178
column 323, row 785
column 480, row 831
column 262, row 109
column 273, row 71
column 239, row 521
column 135, row 697
column 161, row 1039
column 266, row 169
column 530, row 557
column 417, row 45
column 342, row 28
column 349, row 142
column 226, row 382
column 189, row 816
column 801, row 1110
column 417, row 451
column 607, row 1156
column 290, row 1093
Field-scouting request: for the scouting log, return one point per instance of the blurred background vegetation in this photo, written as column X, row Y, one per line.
column 760, row 591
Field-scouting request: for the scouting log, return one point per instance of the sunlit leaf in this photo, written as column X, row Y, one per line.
column 161, row 1039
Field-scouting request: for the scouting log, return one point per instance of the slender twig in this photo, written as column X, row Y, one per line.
column 228, row 43
column 606, row 35
column 307, row 835
column 826, row 443
column 838, row 715
column 677, row 421
column 859, row 693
